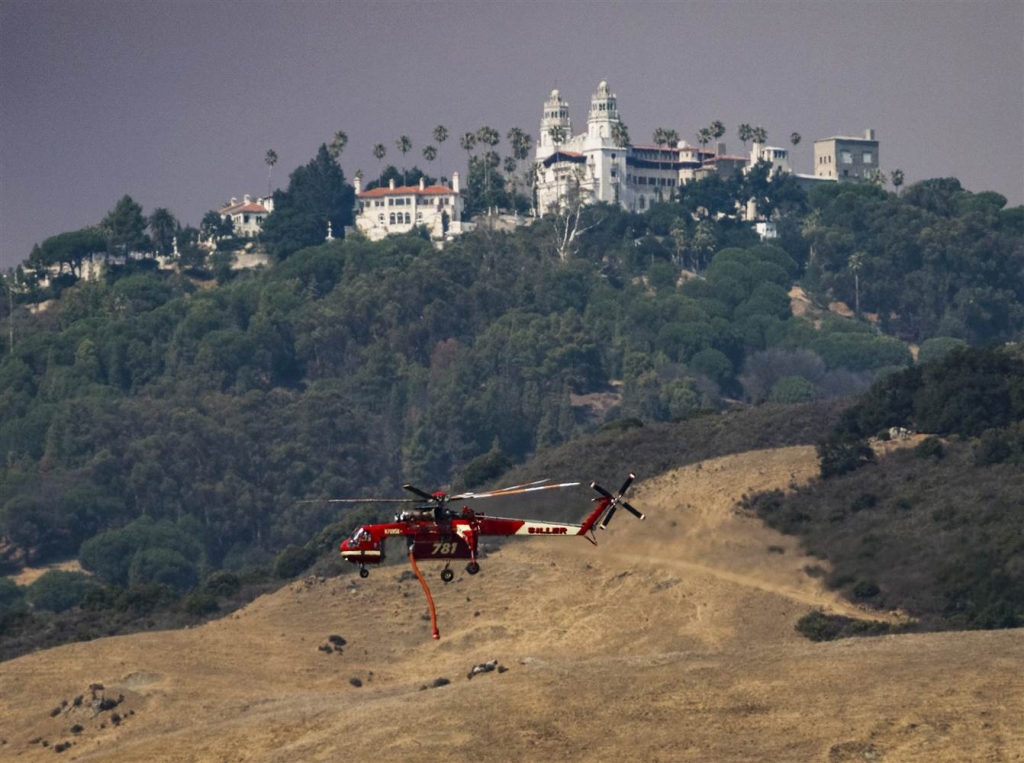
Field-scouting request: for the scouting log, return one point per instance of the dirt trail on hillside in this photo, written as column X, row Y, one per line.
column 673, row 640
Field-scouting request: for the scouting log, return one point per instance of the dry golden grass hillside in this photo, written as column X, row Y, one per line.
column 671, row 641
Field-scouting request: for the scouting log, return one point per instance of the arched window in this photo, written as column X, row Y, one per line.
column 392, row 218
column 407, row 218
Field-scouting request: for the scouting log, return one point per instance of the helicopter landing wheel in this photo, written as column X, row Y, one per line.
column 364, row 573
column 447, row 575
column 472, row 568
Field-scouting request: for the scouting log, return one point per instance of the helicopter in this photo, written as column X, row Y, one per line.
column 435, row 531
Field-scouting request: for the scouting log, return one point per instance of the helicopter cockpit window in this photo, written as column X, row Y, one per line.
column 360, row 535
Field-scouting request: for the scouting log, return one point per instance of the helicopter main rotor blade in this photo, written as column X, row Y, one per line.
column 360, row 500
column 608, row 517
column 626, row 484
column 601, row 490
column 421, row 493
column 516, row 487
column 634, row 512
column 511, row 491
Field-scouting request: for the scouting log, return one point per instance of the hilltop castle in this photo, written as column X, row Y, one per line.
column 605, row 166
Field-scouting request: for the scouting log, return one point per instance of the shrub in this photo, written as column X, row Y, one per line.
column 791, row 389
column 58, row 590
column 817, row 626
column 839, row 456
column 713, row 364
column 12, row 604
column 144, row 599
column 937, row 348
column 201, row 603
column 930, row 447
column 164, row 566
column 992, row 448
column 622, row 425
column 863, row 501
column 486, row 467
column 223, row 584
column 294, row 560
column 865, row 589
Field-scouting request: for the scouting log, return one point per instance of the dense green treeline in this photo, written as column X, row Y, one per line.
column 163, row 427
column 935, row 261
column 354, row 366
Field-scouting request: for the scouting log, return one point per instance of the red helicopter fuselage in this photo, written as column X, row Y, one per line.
column 436, row 532
column 444, row 535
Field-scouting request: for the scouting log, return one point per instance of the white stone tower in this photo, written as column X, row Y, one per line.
column 604, row 111
column 556, row 114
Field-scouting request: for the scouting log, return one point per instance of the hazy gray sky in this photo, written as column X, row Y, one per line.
column 176, row 102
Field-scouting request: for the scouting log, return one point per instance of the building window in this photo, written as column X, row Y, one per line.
column 392, row 219
column 407, row 219
column 419, row 218
column 380, row 218
column 846, row 157
column 868, row 157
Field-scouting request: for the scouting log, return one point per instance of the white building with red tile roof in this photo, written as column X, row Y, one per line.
column 247, row 216
column 380, row 212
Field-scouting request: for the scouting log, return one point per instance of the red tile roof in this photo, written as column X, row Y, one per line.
column 245, row 208
column 408, row 190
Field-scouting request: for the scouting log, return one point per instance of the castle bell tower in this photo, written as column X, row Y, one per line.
column 604, row 110
column 556, row 114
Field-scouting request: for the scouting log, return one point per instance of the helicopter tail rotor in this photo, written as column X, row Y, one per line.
column 615, row 501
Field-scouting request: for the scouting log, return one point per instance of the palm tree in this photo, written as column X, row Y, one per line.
column 620, row 134
column 468, row 143
column 338, row 144
column 557, row 133
column 760, row 135
column 405, row 146
column 856, row 265
column 745, row 132
column 519, row 145
column 703, row 137
column 429, row 153
column 717, row 130
column 794, row 138
column 271, row 160
column 510, row 172
column 379, row 152
column 487, row 136
column 810, row 229
column 702, row 243
column 897, row 180
column 440, row 135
